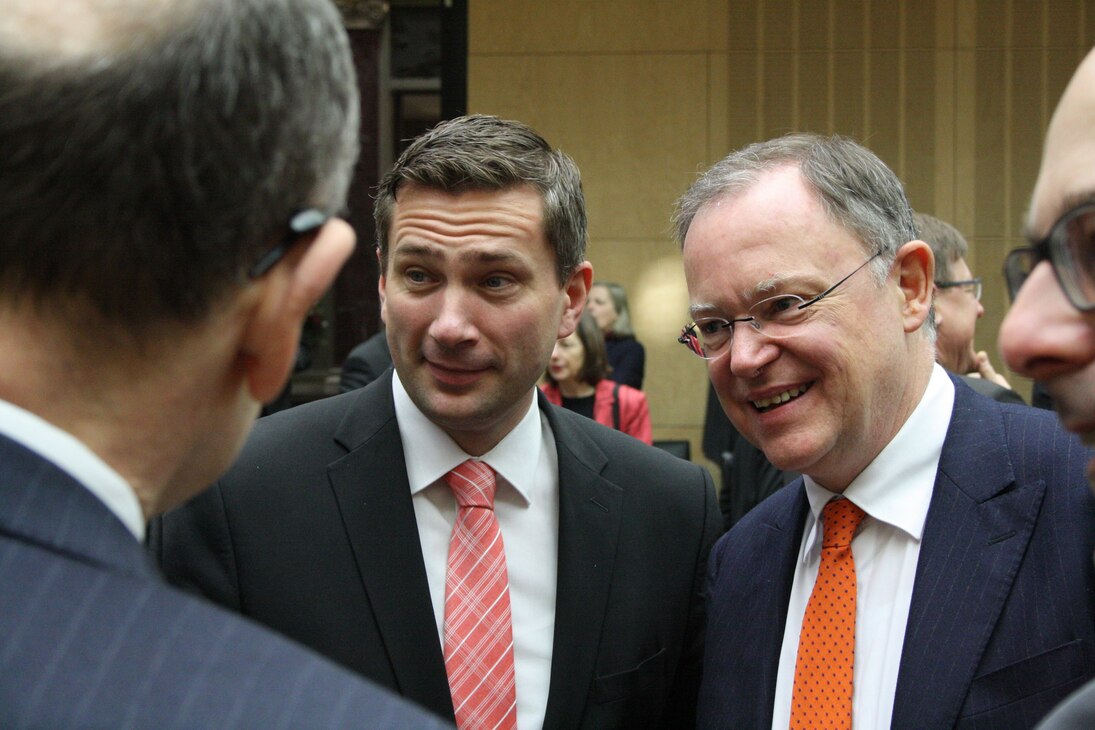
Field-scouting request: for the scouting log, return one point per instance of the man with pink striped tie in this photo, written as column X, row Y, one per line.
column 445, row 530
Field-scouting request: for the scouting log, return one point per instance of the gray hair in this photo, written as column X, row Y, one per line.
column 480, row 152
column 147, row 163
column 622, row 326
column 854, row 187
column 948, row 245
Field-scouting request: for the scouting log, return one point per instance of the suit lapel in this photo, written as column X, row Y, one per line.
column 590, row 509
column 784, row 527
column 373, row 494
column 977, row 531
column 747, row 610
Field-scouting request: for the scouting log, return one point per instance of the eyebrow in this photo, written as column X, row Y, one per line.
column 752, row 294
column 1067, row 203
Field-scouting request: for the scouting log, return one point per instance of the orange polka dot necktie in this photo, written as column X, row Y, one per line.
column 822, row 694
column 478, row 624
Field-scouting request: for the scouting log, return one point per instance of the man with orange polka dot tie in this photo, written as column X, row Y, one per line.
column 931, row 568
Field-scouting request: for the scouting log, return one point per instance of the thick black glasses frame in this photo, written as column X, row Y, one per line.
column 1057, row 255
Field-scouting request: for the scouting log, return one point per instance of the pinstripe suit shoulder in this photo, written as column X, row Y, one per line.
column 93, row 637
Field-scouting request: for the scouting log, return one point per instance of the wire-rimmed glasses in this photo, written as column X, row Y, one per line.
column 970, row 286
column 1070, row 249
column 775, row 317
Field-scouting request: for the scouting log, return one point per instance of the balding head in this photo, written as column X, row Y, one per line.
column 1067, row 174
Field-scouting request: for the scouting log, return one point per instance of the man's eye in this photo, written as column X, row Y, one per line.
column 711, row 326
column 496, row 282
column 778, row 308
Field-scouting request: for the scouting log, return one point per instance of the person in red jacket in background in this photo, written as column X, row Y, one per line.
column 576, row 379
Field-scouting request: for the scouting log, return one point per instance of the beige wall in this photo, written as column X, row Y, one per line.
column 954, row 95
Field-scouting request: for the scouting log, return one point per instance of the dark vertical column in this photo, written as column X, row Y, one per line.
column 357, row 309
column 454, row 58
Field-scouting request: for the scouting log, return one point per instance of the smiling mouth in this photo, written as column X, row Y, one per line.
column 779, row 399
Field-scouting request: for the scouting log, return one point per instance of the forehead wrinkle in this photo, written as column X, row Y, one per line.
column 474, row 254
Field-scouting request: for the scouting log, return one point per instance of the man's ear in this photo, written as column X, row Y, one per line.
column 575, row 291
column 284, row 295
column 915, row 268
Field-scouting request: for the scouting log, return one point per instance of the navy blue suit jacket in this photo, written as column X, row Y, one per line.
column 1002, row 620
column 313, row 533
column 91, row 635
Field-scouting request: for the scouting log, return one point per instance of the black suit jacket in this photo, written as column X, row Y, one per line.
column 92, row 636
column 365, row 363
column 313, row 533
column 1002, row 620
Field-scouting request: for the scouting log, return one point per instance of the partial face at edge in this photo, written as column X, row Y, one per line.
column 1043, row 336
column 957, row 312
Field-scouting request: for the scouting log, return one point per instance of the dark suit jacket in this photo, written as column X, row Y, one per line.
column 93, row 637
column 1002, row 620
column 626, row 360
column 365, row 363
column 313, row 533
column 993, row 390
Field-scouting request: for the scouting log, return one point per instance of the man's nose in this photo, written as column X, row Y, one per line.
column 1043, row 335
column 453, row 324
column 750, row 350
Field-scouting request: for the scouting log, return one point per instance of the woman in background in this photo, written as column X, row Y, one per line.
column 626, row 357
column 576, row 381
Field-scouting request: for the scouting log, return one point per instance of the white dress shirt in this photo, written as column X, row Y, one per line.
column 82, row 464
column 895, row 491
column 527, row 506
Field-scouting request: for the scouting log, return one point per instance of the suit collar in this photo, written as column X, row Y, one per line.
column 73, row 456
column 978, row 527
column 44, row 505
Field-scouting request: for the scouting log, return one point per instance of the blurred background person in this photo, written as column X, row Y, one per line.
column 577, row 380
column 626, row 355
column 365, row 363
column 957, row 307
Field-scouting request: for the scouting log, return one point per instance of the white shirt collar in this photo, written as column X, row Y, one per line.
column 896, row 488
column 430, row 453
column 82, row 464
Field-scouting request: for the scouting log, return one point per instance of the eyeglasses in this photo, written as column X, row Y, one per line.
column 1070, row 249
column 970, row 286
column 302, row 225
column 775, row 317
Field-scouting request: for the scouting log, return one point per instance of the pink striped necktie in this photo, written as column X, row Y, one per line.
column 478, row 626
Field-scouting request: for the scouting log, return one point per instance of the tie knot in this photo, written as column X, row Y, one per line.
column 840, row 518
column 473, row 485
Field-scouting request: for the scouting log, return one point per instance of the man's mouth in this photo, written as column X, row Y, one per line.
column 779, row 399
